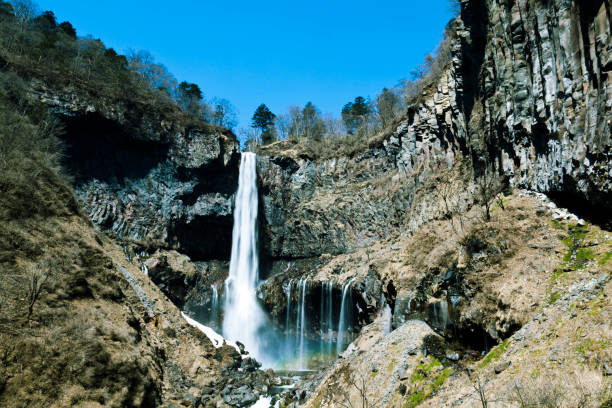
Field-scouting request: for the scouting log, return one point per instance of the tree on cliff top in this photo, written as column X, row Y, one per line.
column 354, row 114
column 263, row 119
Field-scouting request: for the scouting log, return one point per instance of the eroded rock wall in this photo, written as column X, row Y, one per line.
column 148, row 175
column 544, row 98
column 526, row 90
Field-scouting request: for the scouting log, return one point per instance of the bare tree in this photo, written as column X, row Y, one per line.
column 447, row 192
column 341, row 395
column 479, row 386
column 489, row 186
column 224, row 113
column 25, row 11
column 35, row 282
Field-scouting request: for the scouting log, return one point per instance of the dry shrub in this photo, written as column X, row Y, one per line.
column 583, row 388
column 31, row 180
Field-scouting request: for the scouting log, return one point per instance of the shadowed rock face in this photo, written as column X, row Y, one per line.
column 144, row 177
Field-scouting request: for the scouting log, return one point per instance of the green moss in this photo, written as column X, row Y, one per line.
column 586, row 346
column 495, row 353
column 576, row 256
column 553, row 297
column 557, row 274
column 557, row 225
column 604, row 260
column 583, row 255
column 441, row 378
column 423, row 370
column 426, row 381
column 413, row 400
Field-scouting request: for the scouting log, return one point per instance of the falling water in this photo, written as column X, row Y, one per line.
column 288, row 292
column 330, row 320
column 343, row 314
column 302, row 320
column 243, row 317
column 214, row 307
column 386, row 316
column 322, row 313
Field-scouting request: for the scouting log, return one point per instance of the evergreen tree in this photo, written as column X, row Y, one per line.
column 68, row 29
column 354, row 114
column 313, row 125
column 189, row 97
column 263, row 119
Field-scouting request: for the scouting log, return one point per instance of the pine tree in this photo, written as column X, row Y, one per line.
column 354, row 114
column 263, row 119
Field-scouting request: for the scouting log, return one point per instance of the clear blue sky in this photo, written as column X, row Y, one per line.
column 276, row 52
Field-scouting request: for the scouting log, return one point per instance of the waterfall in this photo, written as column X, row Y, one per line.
column 330, row 320
column 214, row 307
column 301, row 323
column 322, row 323
column 243, row 317
column 288, row 292
column 342, row 324
column 386, row 316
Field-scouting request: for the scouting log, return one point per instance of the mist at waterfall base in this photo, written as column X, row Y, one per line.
column 318, row 316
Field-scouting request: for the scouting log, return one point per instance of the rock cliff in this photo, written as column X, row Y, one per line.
column 146, row 174
column 526, row 90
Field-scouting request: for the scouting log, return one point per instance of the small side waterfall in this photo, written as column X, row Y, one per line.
column 342, row 323
column 330, row 320
column 288, row 293
column 386, row 316
column 214, row 306
column 301, row 323
column 244, row 319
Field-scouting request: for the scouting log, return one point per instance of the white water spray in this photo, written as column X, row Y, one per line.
column 386, row 318
column 214, row 306
column 330, row 320
column 302, row 321
column 342, row 324
column 243, row 317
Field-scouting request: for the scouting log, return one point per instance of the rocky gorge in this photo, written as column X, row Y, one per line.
column 477, row 308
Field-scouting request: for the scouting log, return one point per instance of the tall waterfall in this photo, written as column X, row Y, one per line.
column 244, row 319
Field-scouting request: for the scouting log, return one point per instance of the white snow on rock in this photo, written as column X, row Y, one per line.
column 216, row 338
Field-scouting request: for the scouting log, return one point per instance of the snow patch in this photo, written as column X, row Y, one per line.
column 216, row 338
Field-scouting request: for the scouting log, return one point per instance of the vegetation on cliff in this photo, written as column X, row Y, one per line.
column 362, row 124
column 35, row 46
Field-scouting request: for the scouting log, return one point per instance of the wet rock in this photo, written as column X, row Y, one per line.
column 453, row 356
column 250, row 364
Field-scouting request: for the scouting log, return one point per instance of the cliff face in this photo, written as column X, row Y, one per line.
column 527, row 90
column 543, row 98
column 145, row 175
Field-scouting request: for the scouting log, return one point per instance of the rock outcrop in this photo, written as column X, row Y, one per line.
column 149, row 175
